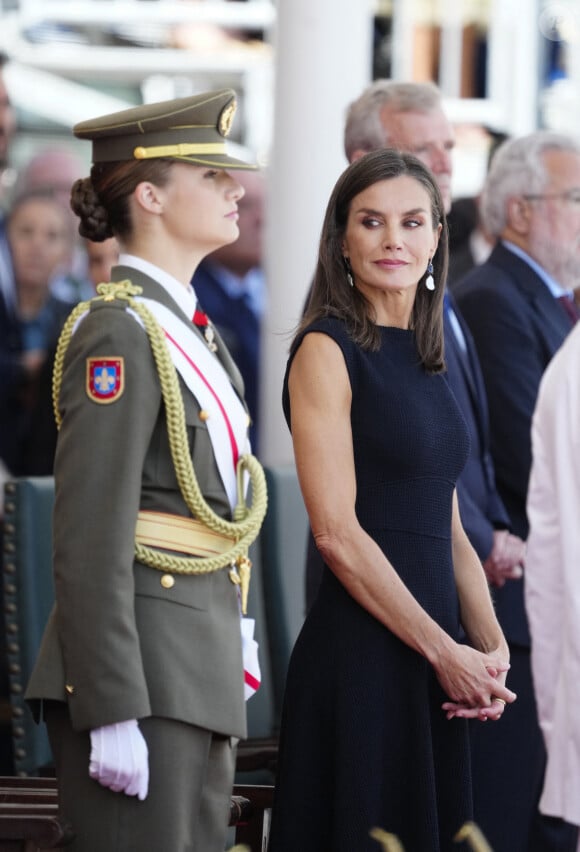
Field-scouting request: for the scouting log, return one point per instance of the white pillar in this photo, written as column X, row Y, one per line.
column 403, row 19
column 513, row 63
column 323, row 55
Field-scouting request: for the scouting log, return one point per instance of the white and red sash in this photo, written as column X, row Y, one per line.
column 206, row 378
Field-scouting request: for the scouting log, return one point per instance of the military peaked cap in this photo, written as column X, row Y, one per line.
column 191, row 129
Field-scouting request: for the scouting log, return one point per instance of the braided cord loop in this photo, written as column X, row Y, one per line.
column 247, row 520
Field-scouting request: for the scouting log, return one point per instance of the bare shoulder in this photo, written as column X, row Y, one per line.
column 317, row 349
column 318, row 370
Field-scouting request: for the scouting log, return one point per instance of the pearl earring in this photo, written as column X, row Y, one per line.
column 348, row 268
column 430, row 281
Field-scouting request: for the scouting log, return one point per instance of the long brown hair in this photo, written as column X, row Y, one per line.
column 331, row 293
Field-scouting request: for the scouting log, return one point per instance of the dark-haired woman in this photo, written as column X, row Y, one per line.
column 140, row 673
column 379, row 689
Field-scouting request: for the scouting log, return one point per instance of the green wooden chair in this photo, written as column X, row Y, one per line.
column 283, row 550
column 28, row 599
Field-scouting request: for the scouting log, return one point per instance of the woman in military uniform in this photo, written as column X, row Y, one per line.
column 140, row 675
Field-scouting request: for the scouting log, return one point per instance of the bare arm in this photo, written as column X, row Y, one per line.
column 477, row 614
column 320, row 401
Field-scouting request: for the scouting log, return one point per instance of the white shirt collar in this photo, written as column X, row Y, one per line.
column 185, row 297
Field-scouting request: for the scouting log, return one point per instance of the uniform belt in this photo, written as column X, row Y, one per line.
column 184, row 535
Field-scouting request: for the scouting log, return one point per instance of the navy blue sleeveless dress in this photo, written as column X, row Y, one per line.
column 364, row 741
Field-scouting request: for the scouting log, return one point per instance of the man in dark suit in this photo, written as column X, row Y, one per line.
column 410, row 117
column 519, row 309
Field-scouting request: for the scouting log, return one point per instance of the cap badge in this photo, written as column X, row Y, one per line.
column 105, row 379
column 226, row 118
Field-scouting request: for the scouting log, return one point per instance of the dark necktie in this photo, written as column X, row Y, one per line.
column 570, row 307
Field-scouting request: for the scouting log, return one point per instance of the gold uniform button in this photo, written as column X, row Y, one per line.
column 167, row 581
column 203, row 415
column 70, row 688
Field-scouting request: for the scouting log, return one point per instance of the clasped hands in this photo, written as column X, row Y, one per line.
column 475, row 681
column 506, row 560
column 120, row 759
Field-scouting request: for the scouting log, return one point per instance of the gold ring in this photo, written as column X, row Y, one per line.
column 501, row 701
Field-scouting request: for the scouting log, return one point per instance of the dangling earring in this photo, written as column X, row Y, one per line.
column 430, row 281
column 348, row 268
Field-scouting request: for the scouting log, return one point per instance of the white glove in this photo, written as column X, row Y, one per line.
column 120, row 758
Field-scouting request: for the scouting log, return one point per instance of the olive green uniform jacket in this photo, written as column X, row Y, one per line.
column 119, row 645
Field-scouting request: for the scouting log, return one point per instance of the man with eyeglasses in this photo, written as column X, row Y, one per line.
column 519, row 309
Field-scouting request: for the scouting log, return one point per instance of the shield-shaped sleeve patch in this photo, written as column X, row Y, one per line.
column 105, row 379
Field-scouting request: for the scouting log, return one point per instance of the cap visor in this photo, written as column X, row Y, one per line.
column 219, row 161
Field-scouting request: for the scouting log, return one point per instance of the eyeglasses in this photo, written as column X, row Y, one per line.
column 572, row 196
